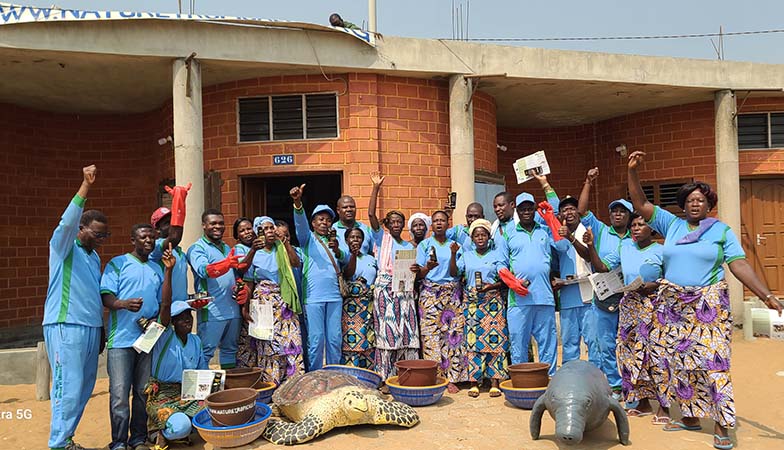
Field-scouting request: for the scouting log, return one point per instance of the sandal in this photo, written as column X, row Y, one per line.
column 660, row 420
column 676, row 425
column 634, row 412
column 495, row 392
column 722, row 442
column 473, row 392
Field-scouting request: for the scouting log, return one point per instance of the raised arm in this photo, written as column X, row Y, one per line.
column 453, row 270
column 301, row 225
column 596, row 262
column 168, row 261
column 578, row 246
column 549, row 193
column 377, row 180
column 68, row 228
column 585, row 194
column 640, row 202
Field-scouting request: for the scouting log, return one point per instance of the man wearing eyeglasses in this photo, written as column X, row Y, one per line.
column 73, row 313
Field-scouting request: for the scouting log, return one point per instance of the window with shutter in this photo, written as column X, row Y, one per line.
column 288, row 117
column 760, row 131
column 664, row 194
column 254, row 119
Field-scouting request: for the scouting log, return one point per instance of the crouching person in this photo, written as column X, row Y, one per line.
column 176, row 350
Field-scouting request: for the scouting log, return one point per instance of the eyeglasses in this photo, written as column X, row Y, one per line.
column 98, row 234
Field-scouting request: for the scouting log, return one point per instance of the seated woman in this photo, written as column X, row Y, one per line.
column 484, row 309
column 176, row 350
column 277, row 350
column 358, row 334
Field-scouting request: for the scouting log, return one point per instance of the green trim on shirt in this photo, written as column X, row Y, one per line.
column 735, row 258
column 112, row 330
column 163, row 353
column 65, row 298
column 78, row 200
column 719, row 257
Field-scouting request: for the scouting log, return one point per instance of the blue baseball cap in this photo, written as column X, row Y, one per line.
column 524, row 197
column 179, row 307
column 622, row 202
column 178, row 426
column 321, row 209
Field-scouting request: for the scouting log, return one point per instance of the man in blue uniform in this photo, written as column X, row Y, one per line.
column 213, row 264
column 131, row 290
column 170, row 234
column 527, row 251
column 347, row 219
column 459, row 233
column 73, row 313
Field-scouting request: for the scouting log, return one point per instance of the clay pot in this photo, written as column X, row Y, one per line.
column 416, row 372
column 529, row 375
column 232, row 406
column 243, row 377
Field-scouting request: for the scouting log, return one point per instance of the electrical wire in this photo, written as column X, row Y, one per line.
column 622, row 38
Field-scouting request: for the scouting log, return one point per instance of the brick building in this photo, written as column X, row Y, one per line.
column 259, row 110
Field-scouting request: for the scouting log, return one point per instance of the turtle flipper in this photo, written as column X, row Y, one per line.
column 535, row 422
column 621, row 421
column 291, row 433
column 392, row 413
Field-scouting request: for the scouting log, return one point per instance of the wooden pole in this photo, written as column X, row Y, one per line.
column 42, row 373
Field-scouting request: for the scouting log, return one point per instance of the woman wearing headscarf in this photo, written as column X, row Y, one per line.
column 440, row 308
column 418, row 225
column 394, row 310
column 358, row 332
column 483, row 309
column 276, row 347
column 644, row 374
column 694, row 296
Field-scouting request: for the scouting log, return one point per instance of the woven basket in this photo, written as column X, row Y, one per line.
column 227, row 437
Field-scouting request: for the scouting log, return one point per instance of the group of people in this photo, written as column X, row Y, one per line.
column 483, row 290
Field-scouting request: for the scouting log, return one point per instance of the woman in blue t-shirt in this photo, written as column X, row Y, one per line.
column 696, row 302
column 484, row 309
column 440, row 304
column 358, row 333
column 641, row 349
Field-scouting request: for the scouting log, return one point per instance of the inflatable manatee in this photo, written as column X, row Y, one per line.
column 579, row 399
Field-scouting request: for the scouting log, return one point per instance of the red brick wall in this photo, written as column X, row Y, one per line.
column 762, row 162
column 485, row 134
column 41, row 156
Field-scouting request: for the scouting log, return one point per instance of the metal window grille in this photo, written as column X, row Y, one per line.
column 760, row 131
column 288, row 117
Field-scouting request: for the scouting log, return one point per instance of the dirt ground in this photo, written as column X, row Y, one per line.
column 460, row 422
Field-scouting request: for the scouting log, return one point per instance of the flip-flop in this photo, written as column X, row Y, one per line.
column 721, row 439
column 495, row 392
column 634, row 412
column 680, row 426
column 473, row 392
column 660, row 420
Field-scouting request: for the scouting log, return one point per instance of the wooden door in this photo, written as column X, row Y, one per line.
column 762, row 213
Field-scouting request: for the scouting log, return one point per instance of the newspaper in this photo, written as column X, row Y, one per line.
column 609, row 283
column 573, row 280
column 147, row 340
column 402, row 276
column 536, row 162
column 263, row 324
column 198, row 384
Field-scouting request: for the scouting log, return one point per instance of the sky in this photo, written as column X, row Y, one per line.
column 524, row 19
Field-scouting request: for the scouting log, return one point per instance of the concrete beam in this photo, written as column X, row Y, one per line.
column 728, row 181
column 461, row 142
column 188, row 142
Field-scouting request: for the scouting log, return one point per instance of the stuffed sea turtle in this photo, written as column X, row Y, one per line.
column 321, row 400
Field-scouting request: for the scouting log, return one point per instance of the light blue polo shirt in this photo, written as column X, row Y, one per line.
column 440, row 274
column 487, row 265
column 367, row 268
column 605, row 239
column 74, row 292
column 263, row 267
column 459, row 233
column 222, row 307
column 699, row 263
column 378, row 238
column 127, row 277
column 508, row 227
column 568, row 296
column 367, row 243
column 170, row 356
column 241, row 249
column 635, row 261
column 319, row 279
column 529, row 255
column 179, row 273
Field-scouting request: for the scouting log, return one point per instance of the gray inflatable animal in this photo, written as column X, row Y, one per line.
column 579, row 399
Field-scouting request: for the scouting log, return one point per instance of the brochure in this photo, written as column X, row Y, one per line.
column 402, row 276
column 533, row 163
column 198, row 384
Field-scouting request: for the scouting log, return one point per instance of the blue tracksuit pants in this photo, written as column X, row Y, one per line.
column 221, row 334
column 605, row 338
column 575, row 325
column 324, row 330
column 537, row 321
column 73, row 357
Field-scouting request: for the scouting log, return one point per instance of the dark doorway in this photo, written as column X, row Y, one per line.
column 269, row 195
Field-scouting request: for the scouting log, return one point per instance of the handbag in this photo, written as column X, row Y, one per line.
column 345, row 290
column 610, row 304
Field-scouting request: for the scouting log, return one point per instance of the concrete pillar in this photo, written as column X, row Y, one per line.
column 188, row 144
column 461, row 143
column 728, row 181
column 372, row 20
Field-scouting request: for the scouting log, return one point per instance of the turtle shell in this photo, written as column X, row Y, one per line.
column 308, row 386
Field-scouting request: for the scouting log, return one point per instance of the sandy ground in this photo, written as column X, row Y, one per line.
column 460, row 422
